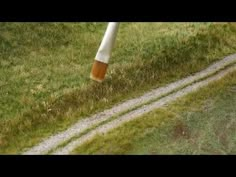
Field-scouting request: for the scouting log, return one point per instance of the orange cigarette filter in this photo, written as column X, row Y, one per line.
column 99, row 70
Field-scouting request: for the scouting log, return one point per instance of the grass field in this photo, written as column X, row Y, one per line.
column 200, row 123
column 45, row 67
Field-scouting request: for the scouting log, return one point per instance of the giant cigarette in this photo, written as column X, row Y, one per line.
column 104, row 53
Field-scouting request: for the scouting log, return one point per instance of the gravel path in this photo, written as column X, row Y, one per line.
column 141, row 111
column 82, row 125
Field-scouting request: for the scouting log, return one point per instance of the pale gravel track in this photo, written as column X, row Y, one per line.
column 141, row 111
column 82, row 125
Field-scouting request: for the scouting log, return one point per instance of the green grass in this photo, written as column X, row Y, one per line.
column 203, row 122
column 45, row 67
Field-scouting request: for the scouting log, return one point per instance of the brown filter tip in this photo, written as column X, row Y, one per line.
column 98, row 71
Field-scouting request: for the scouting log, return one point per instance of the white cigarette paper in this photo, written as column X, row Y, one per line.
column 105, row 49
